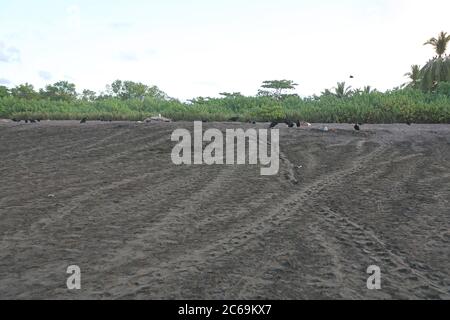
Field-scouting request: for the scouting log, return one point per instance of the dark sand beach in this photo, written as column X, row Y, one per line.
column 106, row 197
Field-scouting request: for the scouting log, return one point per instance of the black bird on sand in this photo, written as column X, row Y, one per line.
column 273, row 124
column 15, row 120
column 84, row 120
column 26, row 121
column 290, row 123
column 357, row 127
column 352, row 77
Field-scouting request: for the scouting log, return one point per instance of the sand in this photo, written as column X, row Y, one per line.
column 106, row 197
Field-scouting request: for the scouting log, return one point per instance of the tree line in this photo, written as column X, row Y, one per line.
column 66, row 91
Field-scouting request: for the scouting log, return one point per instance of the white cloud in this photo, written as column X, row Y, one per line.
column 9, row 54
column 74, row 17
column 4, row 82
column 128, row 56
column 45, row 75
column 119, row 25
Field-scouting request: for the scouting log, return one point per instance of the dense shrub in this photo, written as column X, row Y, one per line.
column 375, row 107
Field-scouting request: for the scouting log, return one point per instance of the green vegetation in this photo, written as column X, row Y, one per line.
column 424, row 99
column 375, row 107
column 436, row 70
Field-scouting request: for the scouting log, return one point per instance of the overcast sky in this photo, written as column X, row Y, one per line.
column 203, row 47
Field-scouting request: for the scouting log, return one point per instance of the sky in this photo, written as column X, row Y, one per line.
column 204, row 47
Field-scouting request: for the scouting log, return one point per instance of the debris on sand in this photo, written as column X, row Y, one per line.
column 303, row 124
column 326, row 129
column 278, row 125
column 26, row 120
column 160, row 118
column 290, row 124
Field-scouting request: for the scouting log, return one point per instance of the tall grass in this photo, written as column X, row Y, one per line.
column 390, row 107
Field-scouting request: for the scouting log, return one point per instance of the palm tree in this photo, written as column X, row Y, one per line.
column 414, row 76
column 364, row 90
column 437, row 69
column 326, row 93
column 368, row 90
column 341, row 91
column 439, row 44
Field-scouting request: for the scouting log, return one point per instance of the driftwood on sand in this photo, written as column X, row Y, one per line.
column 157, row 119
